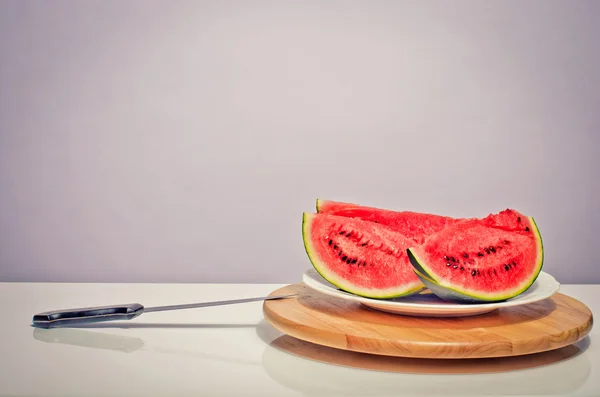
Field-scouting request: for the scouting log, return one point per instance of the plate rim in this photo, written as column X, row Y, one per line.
column 329, row 289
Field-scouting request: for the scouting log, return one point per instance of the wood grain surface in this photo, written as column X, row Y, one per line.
column 542, row 326
column 412, row 365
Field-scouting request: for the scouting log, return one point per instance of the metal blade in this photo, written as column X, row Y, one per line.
column 214, row 303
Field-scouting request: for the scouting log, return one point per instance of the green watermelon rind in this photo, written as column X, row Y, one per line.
column 443, row 292
column 321, row 268
column 318, row 205
column 448, row 292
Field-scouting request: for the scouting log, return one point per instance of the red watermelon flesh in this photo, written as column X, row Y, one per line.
column 416, row 226
column 480, row 260
column 359, row 257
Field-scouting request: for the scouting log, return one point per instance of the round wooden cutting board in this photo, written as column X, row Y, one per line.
column 314, row 317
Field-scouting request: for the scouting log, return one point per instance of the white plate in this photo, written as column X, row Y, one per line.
column 425, row 304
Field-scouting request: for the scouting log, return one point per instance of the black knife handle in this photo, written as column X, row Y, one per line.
column 87, row 315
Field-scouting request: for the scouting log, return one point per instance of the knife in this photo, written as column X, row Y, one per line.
column 87, row 315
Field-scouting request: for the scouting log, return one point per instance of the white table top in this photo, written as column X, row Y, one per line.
column 221, row 351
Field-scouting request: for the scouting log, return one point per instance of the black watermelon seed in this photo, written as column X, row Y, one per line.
column 462, row 268
column 473, row 273
column 492, row 249
column 335, row 247
column 514, row 263
column 506, row 267
column 519, row 219
column 342, row 233
column 448, row 264
column 330, row 242
column 506, row 242
column 364, row 244
column 354, row 260
column 446, row 257
column 466, row 255
column 348, row 261
column 344, row 257
column 455, row 266
column 479, row 254
column 487, row 251
column 527, row 229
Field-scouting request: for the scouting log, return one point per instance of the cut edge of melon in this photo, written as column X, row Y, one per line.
column 448, row 291
column 338, row 282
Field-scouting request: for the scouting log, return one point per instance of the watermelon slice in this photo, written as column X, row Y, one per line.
column 481, row 260
column 330, row 206
column 360, row 257
column 416, row 226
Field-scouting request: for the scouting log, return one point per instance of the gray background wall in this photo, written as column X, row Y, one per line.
column 181, row 141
